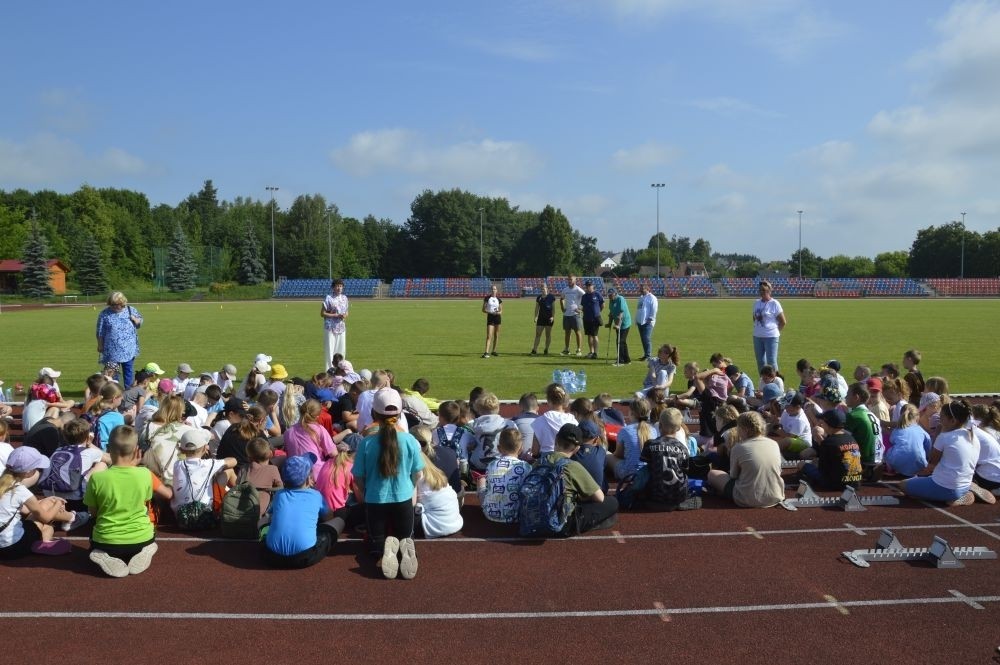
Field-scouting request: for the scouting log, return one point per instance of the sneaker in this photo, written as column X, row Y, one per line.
column 564, row 352
column 140, row 562
column 111, row 566
column 693, row 503
column 80, row 518
column 644, row 358
column 545, row 352
column 486, row 355
column 533, row 353
column 408, row 564
column 606, row 524
column 592, row 356
column 51, row 547
column 390, row 564
column 982, row 494
column 966, row 499
column 497, row 355
column 578, row 352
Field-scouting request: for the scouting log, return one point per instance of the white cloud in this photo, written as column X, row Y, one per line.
column 405, row 151
column 644, row 157
column 731, row 106
column 830, row 154
column 48, row 158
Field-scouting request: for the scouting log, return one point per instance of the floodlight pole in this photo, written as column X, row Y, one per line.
column 962, row 266
column 481, row 273
column 274, row 279
column 657, row 186
column 800, row 244
column 329, row 239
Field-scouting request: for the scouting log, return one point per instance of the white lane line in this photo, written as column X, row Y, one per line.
column 962, row 520
column 598, row 614
column 855, row 529
column 968, row 601
column 633, row 536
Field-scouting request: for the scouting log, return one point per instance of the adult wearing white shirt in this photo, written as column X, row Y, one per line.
column 334, row 313
column 645, row 318
column 569, row 303
column 768, row 322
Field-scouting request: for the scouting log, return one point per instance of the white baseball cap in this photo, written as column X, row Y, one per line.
column 49, row 372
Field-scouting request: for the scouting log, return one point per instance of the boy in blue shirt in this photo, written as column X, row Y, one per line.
column 300, row 531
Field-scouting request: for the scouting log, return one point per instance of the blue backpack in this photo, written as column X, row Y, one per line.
column 544, row 509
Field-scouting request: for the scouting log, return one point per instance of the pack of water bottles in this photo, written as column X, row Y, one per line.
column 573, row 382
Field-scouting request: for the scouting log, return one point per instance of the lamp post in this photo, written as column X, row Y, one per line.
column 481, row 273
column 274, row 279
column 329, row 239
column 800, row 244
column 657, row 186
column 961, row 270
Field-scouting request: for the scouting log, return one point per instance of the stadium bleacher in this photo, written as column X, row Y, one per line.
column 973, row 286
column 318, row 288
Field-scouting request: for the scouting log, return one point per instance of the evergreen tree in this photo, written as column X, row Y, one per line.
column 35, row 275
column 90, row 273
column 250, row 270
column 182, row 271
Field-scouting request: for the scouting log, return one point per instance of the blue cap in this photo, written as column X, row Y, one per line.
column 770, row 392
column 589, row 429
column 296, row 470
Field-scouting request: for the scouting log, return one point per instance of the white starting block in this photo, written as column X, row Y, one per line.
column 849, row 501
column 790, row 464
column 940, row 553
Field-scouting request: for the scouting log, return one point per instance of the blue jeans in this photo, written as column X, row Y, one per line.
column 924, row 487
column 766, row 350
column 125, row 369
column 646, row 336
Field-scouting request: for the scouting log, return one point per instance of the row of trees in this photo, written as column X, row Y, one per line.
column 113, row 236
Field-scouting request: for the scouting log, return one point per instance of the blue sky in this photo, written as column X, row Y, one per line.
column 875, row 119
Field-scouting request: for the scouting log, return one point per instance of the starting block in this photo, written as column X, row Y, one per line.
column 849, row 501
column 789, row 464
column 940, row 553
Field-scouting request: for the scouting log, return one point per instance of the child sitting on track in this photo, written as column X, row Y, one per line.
column 754, row 478
column 437, row 506
column 123, row 540
column 660, row 371
column 65, row 484
column 26, row 522
column 300, row 529
column 261, row 473
column 838, row 463
column 194, row 475
column 499, row 488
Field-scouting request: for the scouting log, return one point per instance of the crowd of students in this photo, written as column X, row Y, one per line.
column 352, row 450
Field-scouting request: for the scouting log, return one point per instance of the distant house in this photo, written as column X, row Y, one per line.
column 11, row 268
column 609, row 263
column 690, row 269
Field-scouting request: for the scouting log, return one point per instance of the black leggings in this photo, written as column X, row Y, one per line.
column 326, row 537
column 590, row 514
column 398, row 516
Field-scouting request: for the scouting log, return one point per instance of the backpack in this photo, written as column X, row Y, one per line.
column 666, row 461
column 544, row 509
column 632, row 489
column 65, row 470
column 455, row 440
column 195, row 515
column 241, row 510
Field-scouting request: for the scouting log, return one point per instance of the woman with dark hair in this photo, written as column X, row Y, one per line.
column 493, row 309
column 387, row 468
column 951, row 464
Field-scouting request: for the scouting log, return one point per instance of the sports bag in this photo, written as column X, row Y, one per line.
column 195, row 515
column 65, row 472
column 241, row 510
column 544, row 509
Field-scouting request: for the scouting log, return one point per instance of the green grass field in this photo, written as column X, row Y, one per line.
column 443, row 340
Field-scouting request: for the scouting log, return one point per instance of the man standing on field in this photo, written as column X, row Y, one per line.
column 334, row 315
column 645, row 318
column 569, row 302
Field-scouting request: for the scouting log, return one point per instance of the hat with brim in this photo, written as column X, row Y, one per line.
column 295, row 472
column 26, row 459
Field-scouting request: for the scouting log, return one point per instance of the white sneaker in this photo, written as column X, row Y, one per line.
column 408, row 564
column 140, row 562
column 80, row 518
column 390, row 562
column 112, row 567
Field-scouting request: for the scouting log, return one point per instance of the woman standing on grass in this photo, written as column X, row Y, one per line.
column 768, row 322
column 492, row 308
column 118, row 335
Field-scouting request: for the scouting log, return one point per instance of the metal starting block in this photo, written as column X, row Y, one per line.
column 789, row 464
column 849, row 501
column 940, row 553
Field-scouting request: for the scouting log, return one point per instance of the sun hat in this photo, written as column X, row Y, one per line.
column 234, row 405
column 387, row 402
column 325, row 395
column 25, row 459
column 770, row 392
column 262, row 367
column 350, row 443
column 875, row 384
column 570, row 433
column 834, row 365
column 184, row 368
column 346, row 366
column 296, row 470
column 834, row 418
column 278, row 372
column 194, row 439
column 589, row 430
column 166, row 386
column 262, row 356
column 153, row 368
column 366, row 374
column 929, row 399
column 229, row 370
column 49, row 372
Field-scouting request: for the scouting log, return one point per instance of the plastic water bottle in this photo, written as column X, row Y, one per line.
column 10, row 395
column 581, row 381
column 556, row 376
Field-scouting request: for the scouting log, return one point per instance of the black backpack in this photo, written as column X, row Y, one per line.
column 666, row 459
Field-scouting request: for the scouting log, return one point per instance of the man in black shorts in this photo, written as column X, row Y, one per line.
column 591, row 304
column 545, row 305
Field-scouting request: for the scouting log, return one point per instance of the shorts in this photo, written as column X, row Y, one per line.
column 591, row 327
column 727, row 491
column 22, row 547
column 571, row 323
column 492, row 319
